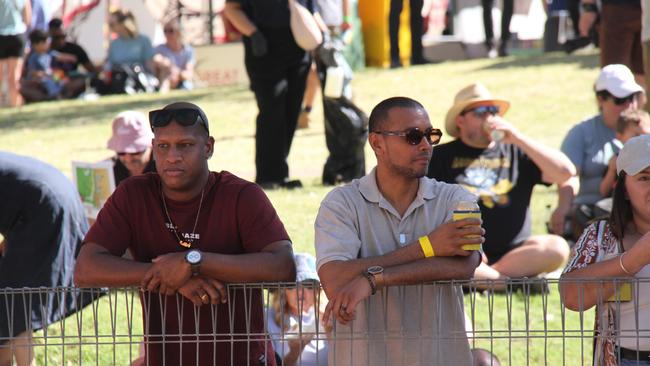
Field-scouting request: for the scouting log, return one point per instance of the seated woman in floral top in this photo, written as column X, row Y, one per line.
column 612, row 250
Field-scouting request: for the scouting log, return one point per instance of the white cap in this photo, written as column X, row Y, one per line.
column 618, row 80
column 635, row 155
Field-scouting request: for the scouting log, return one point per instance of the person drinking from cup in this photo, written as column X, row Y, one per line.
column 503, row 174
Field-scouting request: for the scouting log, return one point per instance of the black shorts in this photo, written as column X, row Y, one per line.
column 495, row 257
column 12, row 46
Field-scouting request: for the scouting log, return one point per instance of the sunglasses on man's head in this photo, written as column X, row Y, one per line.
column 183, row 116
column 483, row 110
column 414, row 135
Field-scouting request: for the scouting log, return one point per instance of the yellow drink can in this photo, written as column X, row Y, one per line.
column 464, row 210
column 622, row 292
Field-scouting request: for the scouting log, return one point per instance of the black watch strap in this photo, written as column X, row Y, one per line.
column 371, row 280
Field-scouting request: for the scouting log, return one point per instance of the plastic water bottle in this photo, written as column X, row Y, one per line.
column 464, row 210
column 334, row 82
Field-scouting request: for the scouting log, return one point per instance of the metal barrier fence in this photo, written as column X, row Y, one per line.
column 525, row 324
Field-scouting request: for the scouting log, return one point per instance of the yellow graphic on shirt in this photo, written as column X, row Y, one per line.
column 480, row 177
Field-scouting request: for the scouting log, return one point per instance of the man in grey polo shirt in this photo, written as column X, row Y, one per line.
column 389, row 229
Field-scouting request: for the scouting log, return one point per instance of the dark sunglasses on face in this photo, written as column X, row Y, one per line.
column 620, row 101
column 413, row 136
column 131, row 154
column 483, row 110
column 169, row 30
column 184, row 117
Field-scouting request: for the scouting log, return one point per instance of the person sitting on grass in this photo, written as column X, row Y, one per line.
column 39, row 67
column 129, row 64
column 131, row 141
column 617, row 247
column 590, row 145
column 174, row 60
column 493, row 159
column 631, row 123
column 77, row 56
column 294, row 318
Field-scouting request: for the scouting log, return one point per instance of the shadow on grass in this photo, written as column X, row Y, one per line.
column 588, row 61
column 78, row 112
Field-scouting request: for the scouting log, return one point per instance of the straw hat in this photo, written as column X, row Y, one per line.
column 467, row 96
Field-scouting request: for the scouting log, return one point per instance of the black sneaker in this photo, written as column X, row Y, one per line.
column 287, row 184
column 291, row 184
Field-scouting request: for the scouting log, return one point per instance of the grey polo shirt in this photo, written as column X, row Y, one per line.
column 400, row 325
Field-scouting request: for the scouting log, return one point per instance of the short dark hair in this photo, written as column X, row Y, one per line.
column 621, row 213
column 631, row 117
column 37, row 36
column 55, row 23
column 379, row 114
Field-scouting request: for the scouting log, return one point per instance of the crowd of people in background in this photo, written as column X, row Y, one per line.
column 42, row 64
column 373, row 235
column 390, row 228
column 613, row 25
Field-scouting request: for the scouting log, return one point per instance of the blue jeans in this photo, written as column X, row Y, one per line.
column 625, row 362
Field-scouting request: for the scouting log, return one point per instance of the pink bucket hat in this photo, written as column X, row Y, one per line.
column 131, row 133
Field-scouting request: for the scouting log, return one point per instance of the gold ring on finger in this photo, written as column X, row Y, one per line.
column 204, row 297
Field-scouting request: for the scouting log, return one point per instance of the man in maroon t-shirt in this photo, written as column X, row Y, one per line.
column 190, row 231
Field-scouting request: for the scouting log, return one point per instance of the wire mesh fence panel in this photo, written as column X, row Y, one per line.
column 520, row 322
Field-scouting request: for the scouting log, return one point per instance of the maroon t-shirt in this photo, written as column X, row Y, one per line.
column 236, row 217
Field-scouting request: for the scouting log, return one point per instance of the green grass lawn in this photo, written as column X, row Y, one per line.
column 549, row 94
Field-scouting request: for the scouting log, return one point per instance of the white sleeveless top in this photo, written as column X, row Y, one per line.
column 640, row 304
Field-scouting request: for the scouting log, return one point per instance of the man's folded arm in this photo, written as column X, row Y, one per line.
column 273, row 263
column 432, row 269
column 96, row 266
column 404, row 266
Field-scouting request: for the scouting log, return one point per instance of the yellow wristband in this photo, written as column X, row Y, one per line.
column 427, row 249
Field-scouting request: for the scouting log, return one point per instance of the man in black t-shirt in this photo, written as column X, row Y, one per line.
column 60, row 44
column 492, row 159
column 65, row 65
column 74, row 56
